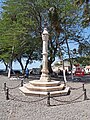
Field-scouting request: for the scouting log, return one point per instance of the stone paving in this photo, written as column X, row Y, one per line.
column 23, row 107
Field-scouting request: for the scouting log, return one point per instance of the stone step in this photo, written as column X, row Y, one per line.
column 45, row 83
column 41, row 88
column 41, row 93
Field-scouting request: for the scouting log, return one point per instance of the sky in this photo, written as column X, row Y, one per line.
column 35, row 64
column 0, row 4
column 16, row 65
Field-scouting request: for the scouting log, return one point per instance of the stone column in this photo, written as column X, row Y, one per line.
column 45, row 38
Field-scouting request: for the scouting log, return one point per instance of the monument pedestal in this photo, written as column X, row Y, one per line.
column 45, row 77
column 41, row 88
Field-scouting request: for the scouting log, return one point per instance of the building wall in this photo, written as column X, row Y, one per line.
column 87, row 69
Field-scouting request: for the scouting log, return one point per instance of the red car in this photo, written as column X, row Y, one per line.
column 79, row 71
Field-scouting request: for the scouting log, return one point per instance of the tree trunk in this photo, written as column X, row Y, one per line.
column 9, row 69
column 6, row 65
column 49, row 67
column 27, row 62
column 69, row 59
column 23, row 70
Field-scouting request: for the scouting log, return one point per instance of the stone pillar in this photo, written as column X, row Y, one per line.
column 45, row 38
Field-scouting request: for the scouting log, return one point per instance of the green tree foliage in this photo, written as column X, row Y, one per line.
column 19, row 31
column 22, row 23
column 65, row 27
column 84, row 5
column 84, row 49
column 83, row 60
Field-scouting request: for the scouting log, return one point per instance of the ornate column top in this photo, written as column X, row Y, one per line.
column 45, row 32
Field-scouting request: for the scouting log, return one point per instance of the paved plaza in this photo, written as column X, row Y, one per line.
column 21, row 107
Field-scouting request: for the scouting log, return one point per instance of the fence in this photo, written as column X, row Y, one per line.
column 48, row 97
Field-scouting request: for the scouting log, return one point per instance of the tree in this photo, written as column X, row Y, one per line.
column 84, row 5
column 83, row 60
column 23, row 25
column 84, row 49
column 18, row 31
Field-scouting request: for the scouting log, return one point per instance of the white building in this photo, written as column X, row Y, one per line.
column 87, row 69
column 59, row 66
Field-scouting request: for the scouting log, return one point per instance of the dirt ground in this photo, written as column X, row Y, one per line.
column 20, row 107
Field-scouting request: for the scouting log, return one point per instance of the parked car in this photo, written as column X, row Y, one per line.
column 79, row 71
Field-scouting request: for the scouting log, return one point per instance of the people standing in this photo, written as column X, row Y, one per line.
column 26, row 73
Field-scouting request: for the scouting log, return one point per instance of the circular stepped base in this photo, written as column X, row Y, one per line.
column 39, row 88
column 44, row 88
column 45, row 83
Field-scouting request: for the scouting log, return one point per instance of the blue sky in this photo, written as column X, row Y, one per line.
column 0, row 4
column 16, row 65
